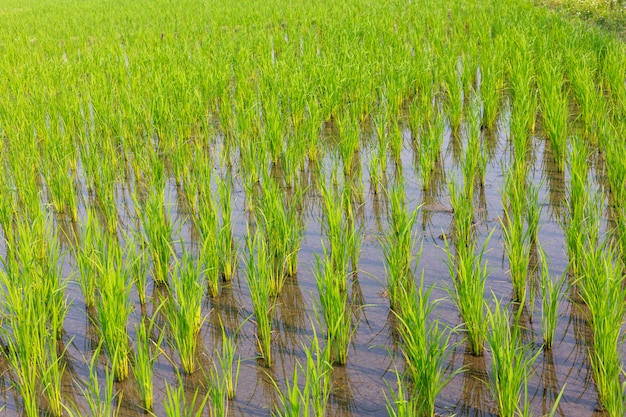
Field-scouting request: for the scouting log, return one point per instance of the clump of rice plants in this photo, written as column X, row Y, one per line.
column 282, row 227
column 147, row 352
column 183, row 310
column 512, row 363
column 157, row 231
column 333, row 303
column 177, row 404
column 113, row 305
column 259, row 277
column 312, row 398
column 602, row 289
column 426, row 348
column 551, row 296
column 469, row 275
column 228, row 369
column 399, row 246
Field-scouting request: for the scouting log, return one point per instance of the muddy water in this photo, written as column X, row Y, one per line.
column 359, row 388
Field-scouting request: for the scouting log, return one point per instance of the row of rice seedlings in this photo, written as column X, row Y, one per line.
column 475, row 160
column 524, row 97
column 492, row 83
column 426, row 348
column 512, row 363
column 312, row 398
column 183, row 310
column 333, row 308
column 260, row 277
column 592, row 107
column 399, row 246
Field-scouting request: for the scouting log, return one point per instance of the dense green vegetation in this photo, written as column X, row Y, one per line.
column 158, row 156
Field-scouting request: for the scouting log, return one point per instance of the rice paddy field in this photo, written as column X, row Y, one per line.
column 310, row 208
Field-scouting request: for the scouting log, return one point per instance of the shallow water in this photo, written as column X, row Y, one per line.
column 360, row 387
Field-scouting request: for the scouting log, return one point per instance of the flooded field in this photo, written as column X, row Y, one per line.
column 302, row 208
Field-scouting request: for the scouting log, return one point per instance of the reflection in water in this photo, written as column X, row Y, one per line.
column 341, row 398
column 475, row 397
column 555, row 181
column 549, row 385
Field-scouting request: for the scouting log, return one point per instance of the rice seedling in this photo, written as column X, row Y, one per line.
column 601, row 287
column 469, row 274
column 312, row 398
column 551, row 296
column 259, row 278
column 24, row 340
column 399, row 246
column 227, row 248
column 183, row 310
column 517, row 246
column 333, row 303
column 211, row 238
column 426, row 348
column 157, row 233
column 463, row 216
column 218, row 398
column 137, row 265
column 228, row 370
column 492, row 83
column 431, row 139
column 177, row 404
column 100, row 402
column 113, row 305
column 282, row 227
column 402, row 403
column 512, row 363
column 555, row 110
column 147, row 352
